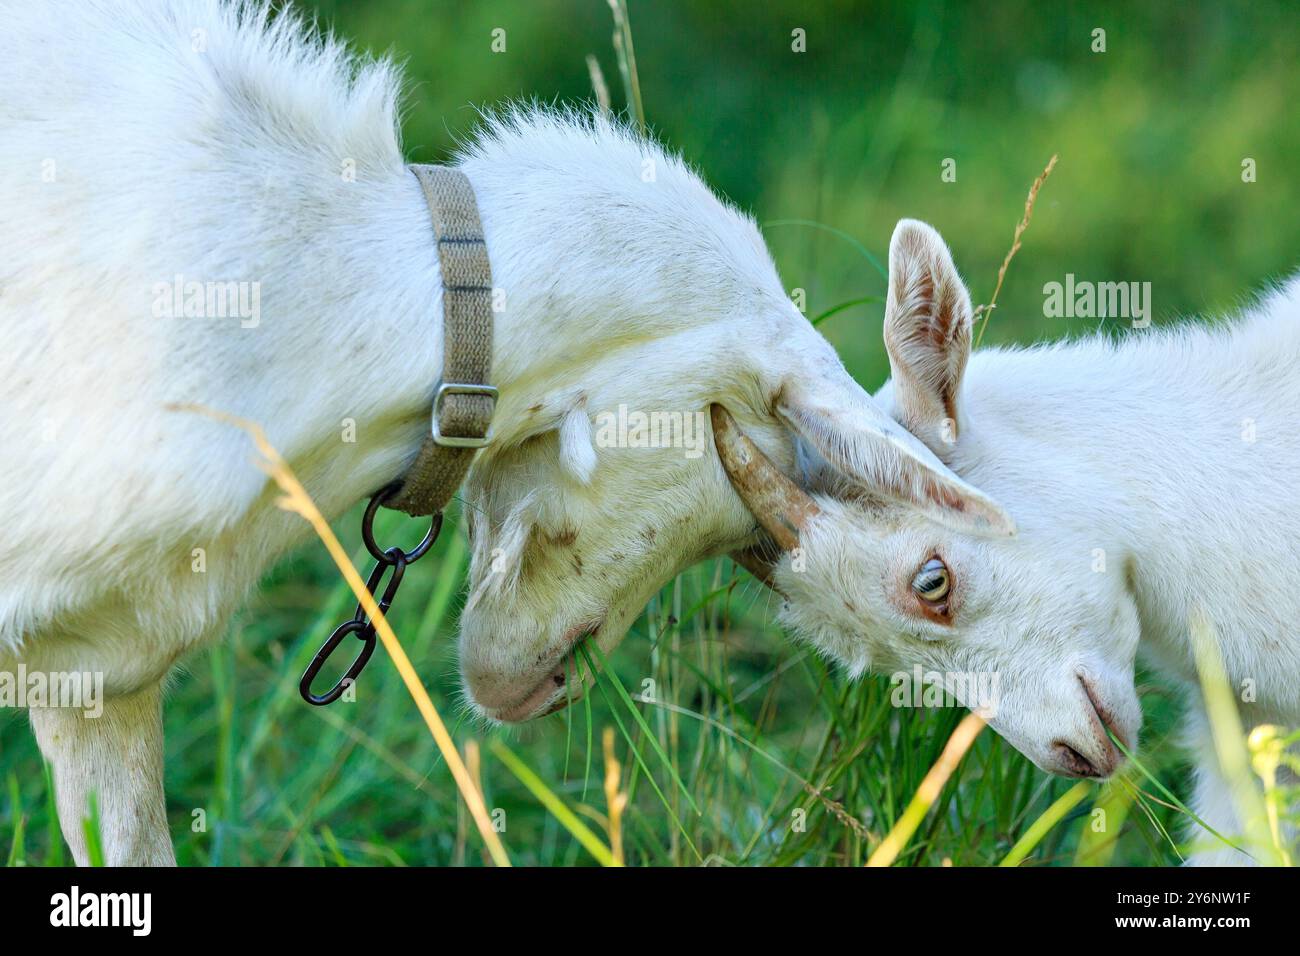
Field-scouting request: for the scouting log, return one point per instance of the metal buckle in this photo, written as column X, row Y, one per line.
column 455, row 388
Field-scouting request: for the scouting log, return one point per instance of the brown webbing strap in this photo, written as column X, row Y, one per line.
column 464, row 402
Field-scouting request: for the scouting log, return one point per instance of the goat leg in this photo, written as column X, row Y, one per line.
column 118, row 756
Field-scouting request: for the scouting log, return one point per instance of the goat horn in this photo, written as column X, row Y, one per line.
column 781, row 506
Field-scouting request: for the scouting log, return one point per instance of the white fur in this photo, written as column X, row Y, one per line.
column 145, row 140
column 1138, row 454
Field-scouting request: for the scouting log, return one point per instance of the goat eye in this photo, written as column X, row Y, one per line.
column 931, row 583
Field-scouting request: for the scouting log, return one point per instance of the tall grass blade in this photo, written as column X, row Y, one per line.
column 90, row 827
column 17, row 848
column 601, row 680
column 645, row 727
column 626, row 55
column 928, row 791
column 53, row 833
column 557, row 807
column 1230, row 741
column 1049, row 818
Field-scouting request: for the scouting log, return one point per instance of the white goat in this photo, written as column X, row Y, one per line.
column 1150, row 481
column 149, row 146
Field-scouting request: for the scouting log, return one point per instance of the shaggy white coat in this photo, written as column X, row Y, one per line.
column 148, row 145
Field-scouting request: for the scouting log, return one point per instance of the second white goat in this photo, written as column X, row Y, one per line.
column 1146, row 484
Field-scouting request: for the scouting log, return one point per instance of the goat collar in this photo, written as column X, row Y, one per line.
column 463, row 401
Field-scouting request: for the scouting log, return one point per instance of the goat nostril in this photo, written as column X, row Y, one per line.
column 1075, row 762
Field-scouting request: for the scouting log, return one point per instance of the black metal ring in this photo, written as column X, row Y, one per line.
column 361, row 625
column 366, row 634
column 395, row 559
column 368, row 533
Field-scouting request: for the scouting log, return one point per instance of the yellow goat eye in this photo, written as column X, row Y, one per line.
column 931, row 583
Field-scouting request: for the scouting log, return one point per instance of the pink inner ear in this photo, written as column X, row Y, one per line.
column 974, row 513
column 944, row 496
column 927, row 332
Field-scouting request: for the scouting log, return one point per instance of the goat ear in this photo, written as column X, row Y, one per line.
column 927, row 333
column 867, row 448
column 577, row 453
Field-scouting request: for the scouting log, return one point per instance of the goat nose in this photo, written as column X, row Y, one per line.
column 516, row 698
column 1073, row 763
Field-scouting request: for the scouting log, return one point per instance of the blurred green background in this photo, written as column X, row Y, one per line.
column 787, row 763
column 852, row 133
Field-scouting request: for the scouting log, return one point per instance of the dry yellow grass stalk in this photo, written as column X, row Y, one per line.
column 614, row 799
column 928, row 791
column 298, row 501
column 987, row 310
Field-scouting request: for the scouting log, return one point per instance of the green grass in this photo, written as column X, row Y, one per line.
column 786, row 762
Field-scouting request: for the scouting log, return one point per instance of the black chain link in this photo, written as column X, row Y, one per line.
column 391, row 559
